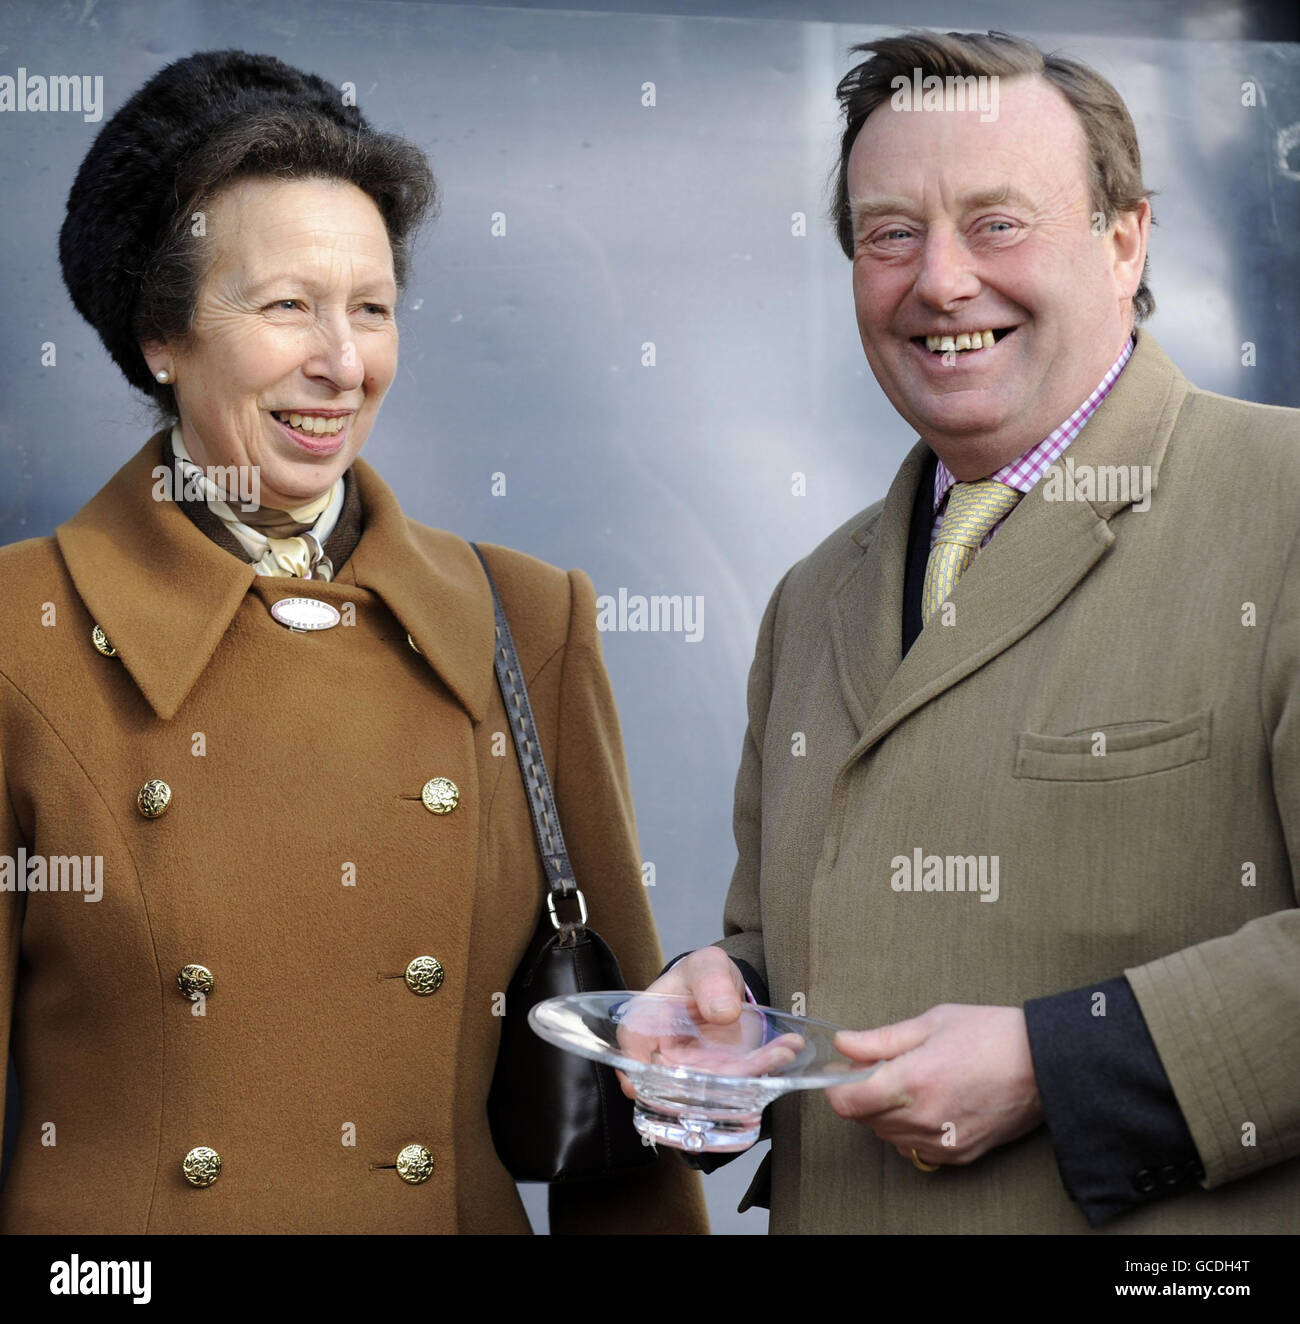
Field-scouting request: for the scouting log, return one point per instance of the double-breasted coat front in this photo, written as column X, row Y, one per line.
column 297, row 863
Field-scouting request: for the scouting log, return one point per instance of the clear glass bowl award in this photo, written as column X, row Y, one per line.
column 700, row 1086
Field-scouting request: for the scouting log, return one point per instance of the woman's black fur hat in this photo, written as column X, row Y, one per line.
column 125, row 189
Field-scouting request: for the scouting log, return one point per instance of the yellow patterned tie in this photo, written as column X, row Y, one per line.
column 973, row 509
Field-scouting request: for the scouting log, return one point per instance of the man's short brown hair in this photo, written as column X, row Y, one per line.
column 1114, row 160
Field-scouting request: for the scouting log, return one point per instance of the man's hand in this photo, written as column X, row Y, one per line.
column 712, row 979
column 956, row 1082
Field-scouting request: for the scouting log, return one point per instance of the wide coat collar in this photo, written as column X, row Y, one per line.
column 1043, row 550
column 165, row 594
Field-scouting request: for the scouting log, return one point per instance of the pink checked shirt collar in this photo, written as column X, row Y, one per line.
column 1024, row 473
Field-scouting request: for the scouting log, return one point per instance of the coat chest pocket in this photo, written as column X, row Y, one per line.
column 1128, row 753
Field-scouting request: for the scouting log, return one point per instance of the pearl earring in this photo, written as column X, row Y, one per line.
column 163, row 375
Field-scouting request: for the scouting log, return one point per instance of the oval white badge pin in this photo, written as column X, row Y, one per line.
column 305, row 614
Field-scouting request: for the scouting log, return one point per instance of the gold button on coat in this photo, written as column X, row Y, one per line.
column 424, row 975
column 100, row 640
column 202, row 1166
column 413, row 644
column 153, row 798
column 194, row 979
column 414, row 1164
column 440, row 795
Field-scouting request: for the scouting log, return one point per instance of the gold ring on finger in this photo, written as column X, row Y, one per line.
column 920, row 1163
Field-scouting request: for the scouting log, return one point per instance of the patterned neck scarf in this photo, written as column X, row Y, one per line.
column 284, row 543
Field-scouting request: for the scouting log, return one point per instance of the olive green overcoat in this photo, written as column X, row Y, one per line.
column 1113, row 712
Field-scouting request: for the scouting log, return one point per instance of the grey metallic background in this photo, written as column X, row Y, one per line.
column 626, row 224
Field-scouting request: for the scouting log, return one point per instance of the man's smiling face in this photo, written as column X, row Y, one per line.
column 963, row 227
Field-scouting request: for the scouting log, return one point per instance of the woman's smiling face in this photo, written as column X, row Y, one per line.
column 294, row 338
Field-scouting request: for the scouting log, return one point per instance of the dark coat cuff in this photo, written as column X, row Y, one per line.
column 1118, row 1133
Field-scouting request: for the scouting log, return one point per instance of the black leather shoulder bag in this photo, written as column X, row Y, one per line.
column 555, row 1117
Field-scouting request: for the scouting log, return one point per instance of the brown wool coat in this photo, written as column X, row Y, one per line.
column 315, row 748
column 1080, row 616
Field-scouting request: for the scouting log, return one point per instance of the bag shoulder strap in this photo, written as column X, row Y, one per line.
column 560, row 883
